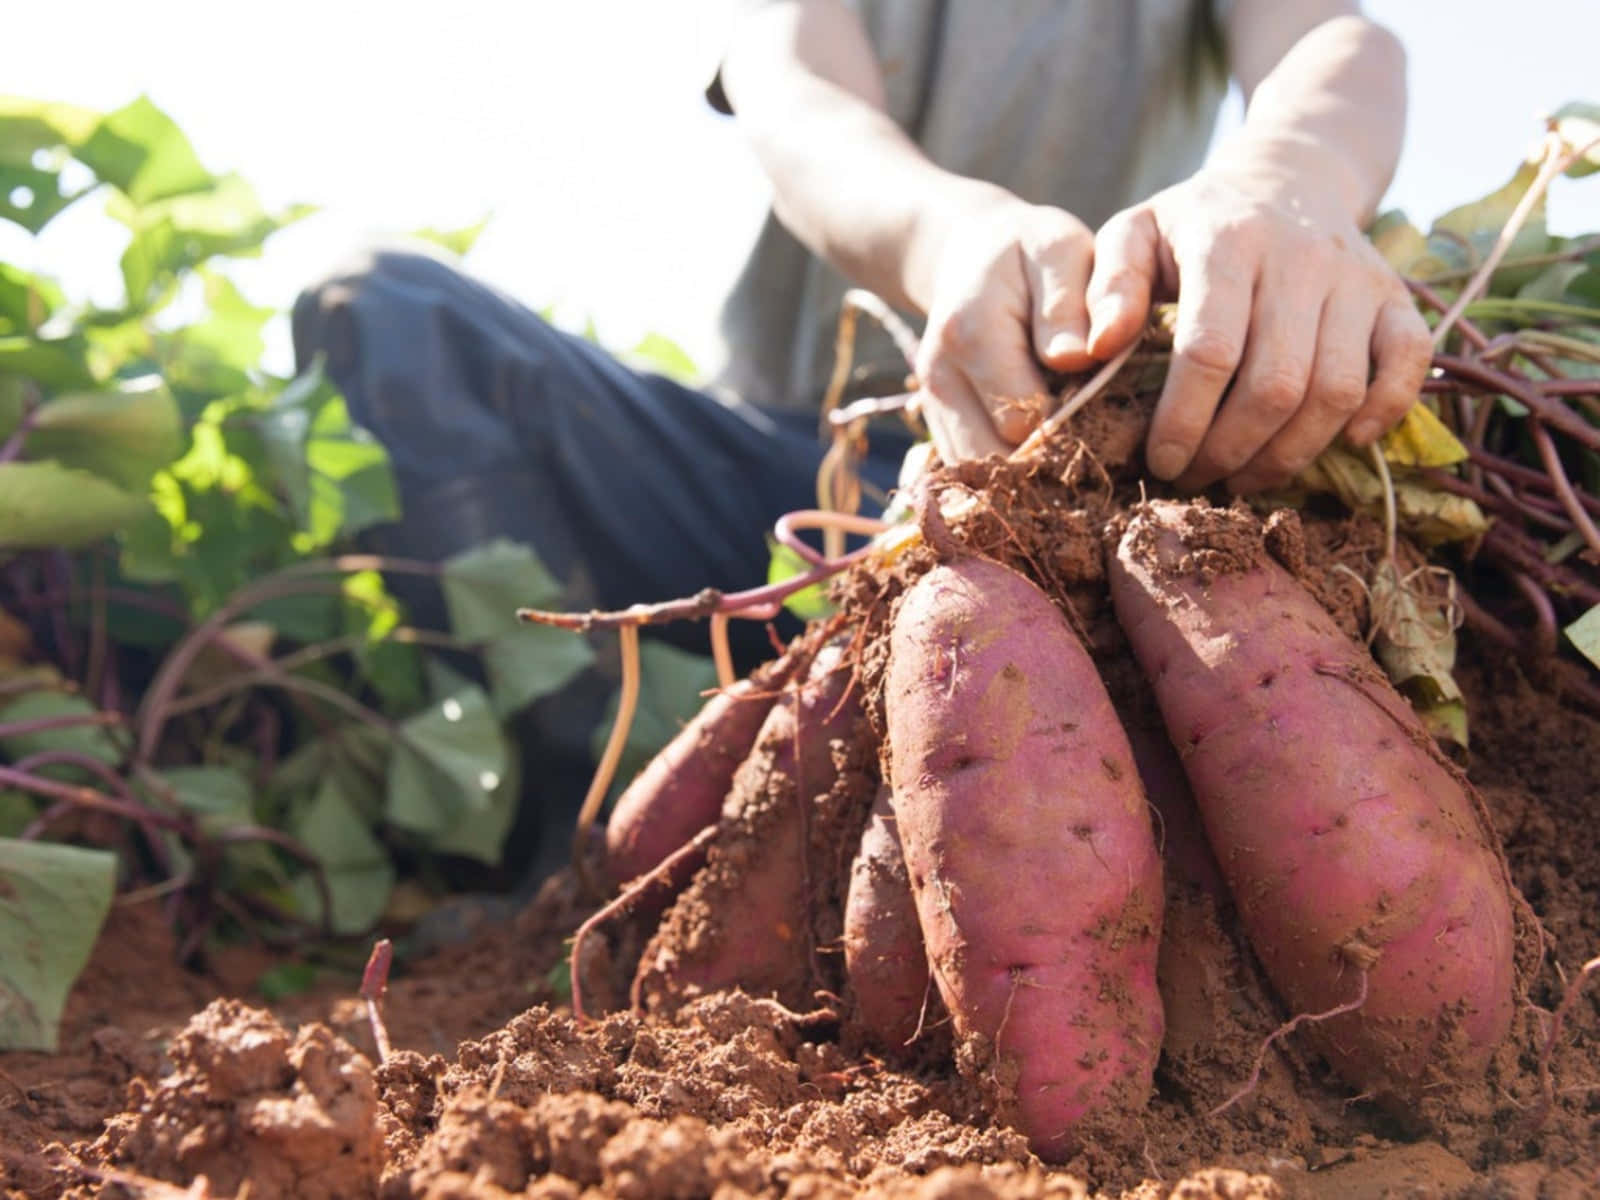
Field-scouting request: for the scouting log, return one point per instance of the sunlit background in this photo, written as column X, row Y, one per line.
column 615, row 194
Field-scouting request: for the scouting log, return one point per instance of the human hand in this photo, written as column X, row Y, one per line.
column 1007, row 295
column 1290, row 303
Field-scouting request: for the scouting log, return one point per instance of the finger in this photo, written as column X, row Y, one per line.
column 1058, row 272
column 1214, row 293
column 1126, row 265
column 1270, row 384
column 1337, row 388
column 1402, row 352
column 957, row 420
column 994, row 360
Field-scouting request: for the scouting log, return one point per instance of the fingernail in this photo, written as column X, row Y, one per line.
column 1363, row 432
column 1167, row 460
column 1064, row 344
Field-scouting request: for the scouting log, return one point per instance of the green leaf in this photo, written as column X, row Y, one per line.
column 140, row 150
column 219, row 797
column 283, row 980
column 46, row 504
column 457, row 241
column 123, row 436
column 356, row 865
column 26, row 300
column 31, row 197
column 1578, row 123
column 811, row 602
column 53, row 900
column 532, row 661
column 17, row 811
column 449, row 761
column 481, row 834
column 28, row 126
column 1584, row 633
column 175, row 235
column 335, row 475
column 664, row 357
column 1402, row 245
column 98, row 742
column 352, row 483
column 484, row 587
column 558, row 979
column 58, row 365
column 1474, row 228
column 671, row 687
column 227, row 341
column 1552, row 283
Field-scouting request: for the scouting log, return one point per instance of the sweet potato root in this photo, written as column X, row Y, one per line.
column 1356, row 856
column 1026, row 833
column 681, row 790
column 745, row 920
column 883, row 953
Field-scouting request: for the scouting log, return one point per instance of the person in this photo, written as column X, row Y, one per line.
column 1026, row 178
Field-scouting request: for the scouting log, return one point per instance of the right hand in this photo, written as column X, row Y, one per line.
column 1007, row 295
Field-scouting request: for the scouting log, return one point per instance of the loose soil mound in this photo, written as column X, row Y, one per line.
column 494, row 1090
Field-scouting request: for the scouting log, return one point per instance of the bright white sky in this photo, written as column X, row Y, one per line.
column 615, row 192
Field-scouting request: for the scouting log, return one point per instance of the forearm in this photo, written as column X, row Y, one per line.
column 847, row 180
column 1324, row 126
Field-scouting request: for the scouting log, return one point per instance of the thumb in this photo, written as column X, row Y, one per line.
column 1125, row 267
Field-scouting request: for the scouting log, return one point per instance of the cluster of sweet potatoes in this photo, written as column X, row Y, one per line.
column 1000, row 861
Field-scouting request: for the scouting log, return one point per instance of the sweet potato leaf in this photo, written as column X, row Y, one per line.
column 53, row 900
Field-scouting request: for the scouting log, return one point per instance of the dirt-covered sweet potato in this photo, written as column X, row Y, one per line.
column 746, row 919
column 1029, row 844
column 681, row 790
column 1359, row 863
column 883, row 953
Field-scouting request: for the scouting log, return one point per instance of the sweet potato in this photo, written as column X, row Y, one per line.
column 1027, row 837
column 745, row 920
column 1357, row 858
column 681, row 790
column 883, row 954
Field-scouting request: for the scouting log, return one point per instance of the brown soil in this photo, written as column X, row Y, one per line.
column 495, row 1090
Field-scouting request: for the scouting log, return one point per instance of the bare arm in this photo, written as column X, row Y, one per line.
column 1278, row 293
column 1001, row 281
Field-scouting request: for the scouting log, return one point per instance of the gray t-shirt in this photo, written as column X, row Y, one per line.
column 1089, row 105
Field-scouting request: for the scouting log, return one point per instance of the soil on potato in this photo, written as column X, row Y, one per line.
column 494, row 1090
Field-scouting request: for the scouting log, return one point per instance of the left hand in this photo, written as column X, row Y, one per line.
column 1293, row 306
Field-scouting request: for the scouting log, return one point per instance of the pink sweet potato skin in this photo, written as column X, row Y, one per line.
column 883, row 954
column 1032, row 860
column 1346, row 843
column 745, row 920
column 681, row 790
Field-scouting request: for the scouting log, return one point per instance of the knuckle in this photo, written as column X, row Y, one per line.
column 1342, row 394
column 1230, row 456
column 1210, row 350
column 1278, row 389
column 955, row 336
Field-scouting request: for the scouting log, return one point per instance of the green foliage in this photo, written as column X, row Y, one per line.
column 672, row 687
column 483, row 588
column 53, row 900
column 1584, row 633
column 810, row 602
column 297, row 743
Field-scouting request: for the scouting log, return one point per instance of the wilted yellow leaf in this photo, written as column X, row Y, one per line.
column 1422, row 440
column 1429, row 515
column 1415, row 642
